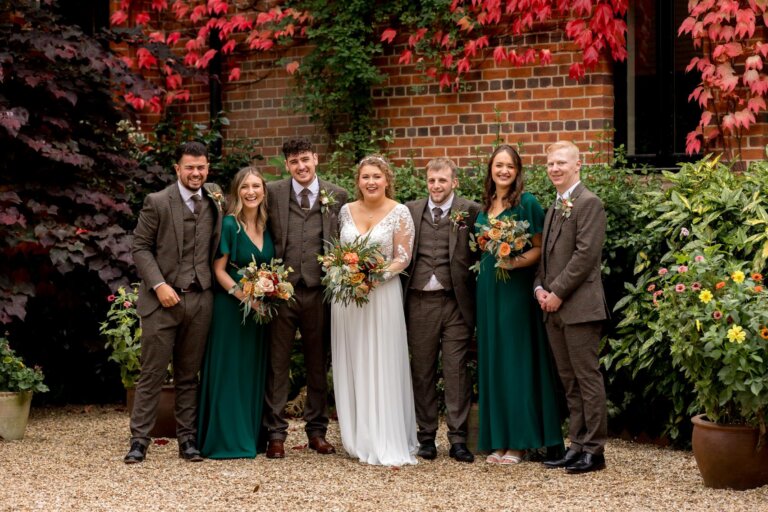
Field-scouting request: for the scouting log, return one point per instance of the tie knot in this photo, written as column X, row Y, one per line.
column 437, row 213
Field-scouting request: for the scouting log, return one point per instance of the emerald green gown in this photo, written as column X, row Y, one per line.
column 517, row 379
column 233, row 374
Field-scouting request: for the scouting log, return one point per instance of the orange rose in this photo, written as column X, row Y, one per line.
column 481, row 242
column 494, row 234
column 519, row 243
column 357, row 278
column 362, row 290
column 351, row 257
column 504, row 249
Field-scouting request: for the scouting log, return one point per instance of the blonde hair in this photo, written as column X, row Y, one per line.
column 564, row 144
column 236, row 204
column 381, row 164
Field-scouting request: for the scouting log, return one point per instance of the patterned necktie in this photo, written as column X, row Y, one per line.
column 437, row 213
column 304, row 196
column 198, row 202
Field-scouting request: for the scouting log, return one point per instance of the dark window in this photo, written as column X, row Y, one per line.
column 652, row 113
column 90, row 15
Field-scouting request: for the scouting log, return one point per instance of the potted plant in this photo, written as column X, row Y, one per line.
column 17, row 384
column 122, row 329
column 714, row 311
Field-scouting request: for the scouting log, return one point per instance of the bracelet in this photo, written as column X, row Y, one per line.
column 233, row 289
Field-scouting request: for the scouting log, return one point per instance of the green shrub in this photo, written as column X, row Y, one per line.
column 704, row 206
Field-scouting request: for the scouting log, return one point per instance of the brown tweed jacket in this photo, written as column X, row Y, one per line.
column 571, row 257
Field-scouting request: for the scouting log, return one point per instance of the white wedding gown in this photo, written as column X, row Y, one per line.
column 371, row 372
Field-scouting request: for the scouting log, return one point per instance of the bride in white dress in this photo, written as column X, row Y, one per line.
column 371, row 372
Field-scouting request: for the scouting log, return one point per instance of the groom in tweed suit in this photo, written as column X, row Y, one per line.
column 303, row 215
column 569, row 290
column 440, row 307
column 174, row 244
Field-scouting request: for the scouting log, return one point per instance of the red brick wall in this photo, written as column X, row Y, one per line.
column 532, row 105
column 536, row 105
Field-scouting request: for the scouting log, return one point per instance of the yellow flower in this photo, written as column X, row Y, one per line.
column 736, row 334
column 705, row 296
column 738, row 276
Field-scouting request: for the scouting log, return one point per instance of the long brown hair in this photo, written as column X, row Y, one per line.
column 512, row 198
column 236, row 204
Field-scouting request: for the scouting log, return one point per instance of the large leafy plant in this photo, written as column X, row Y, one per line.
column 715, row 316
column 703, row 205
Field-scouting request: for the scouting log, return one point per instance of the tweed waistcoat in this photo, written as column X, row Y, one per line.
column 304, row 243
column 432, row 256
column 195, row 266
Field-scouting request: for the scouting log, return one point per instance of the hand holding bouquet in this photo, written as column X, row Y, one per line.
column 504, row 239
column 264, row 288
column 352, row 271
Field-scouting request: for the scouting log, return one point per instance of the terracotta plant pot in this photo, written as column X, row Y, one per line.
column 727, row 455
column 14, row 413
column 165, row 425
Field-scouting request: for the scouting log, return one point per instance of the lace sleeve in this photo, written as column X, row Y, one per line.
column 402, row 241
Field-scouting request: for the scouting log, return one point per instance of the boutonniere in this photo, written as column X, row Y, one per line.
column 458, row 219
column 215, row 193
column 326, row 200
column 564, row 206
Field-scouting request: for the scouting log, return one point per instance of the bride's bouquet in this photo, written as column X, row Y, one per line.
column 265, row 288
column 504, row 239
column 351, row 271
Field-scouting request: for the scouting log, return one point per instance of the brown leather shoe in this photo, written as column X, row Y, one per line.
column 276, row 449
column 320, row 445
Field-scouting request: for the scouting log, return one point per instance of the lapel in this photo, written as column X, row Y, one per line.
column 326, row 216
column 283, row 199
column 557, row 220
column 177, row 215
column 419, row 208
column 457, row 206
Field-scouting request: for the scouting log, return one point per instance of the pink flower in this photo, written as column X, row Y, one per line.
column 651, row 287
column 682, row 269
column 127, row 304
column 657, row 293
column 684, row 232
column 266, row 285
column 696, row 286
column 717, row 315
column 699, row 258
column 111, row 298
column 663, row 271
column 679, row 287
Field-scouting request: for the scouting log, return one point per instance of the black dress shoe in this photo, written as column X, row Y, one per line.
column 461, row 453
column 427, row 450
column 136, row 454
column 566, row 460
column 586, row 463
column 188, row 451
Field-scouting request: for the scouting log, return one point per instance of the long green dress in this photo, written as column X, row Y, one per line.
column 518, row 405
column 234, row 369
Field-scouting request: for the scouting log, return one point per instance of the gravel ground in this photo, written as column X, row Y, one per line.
column 71, row 459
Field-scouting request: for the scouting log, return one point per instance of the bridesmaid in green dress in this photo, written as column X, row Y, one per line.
column 518, row 404
column 234, row 369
